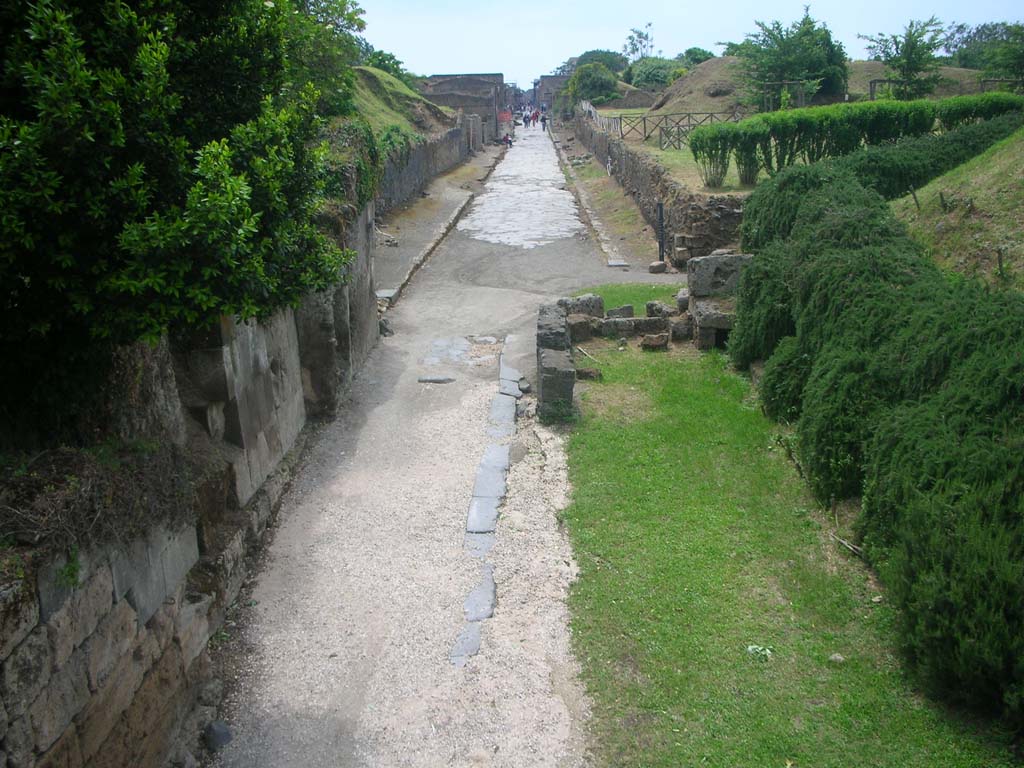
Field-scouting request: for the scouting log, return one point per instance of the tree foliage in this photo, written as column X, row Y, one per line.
column 691, row 57
column 592, row 82
column 653, row 73
column 159, row 167
column 639, row 43
column 910, row 57
column 973, row 47
column 615, row 62
column 804, row 52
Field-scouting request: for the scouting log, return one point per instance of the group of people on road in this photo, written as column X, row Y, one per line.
column 531, row 115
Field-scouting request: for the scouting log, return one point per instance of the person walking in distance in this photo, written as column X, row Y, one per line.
column 543, row 122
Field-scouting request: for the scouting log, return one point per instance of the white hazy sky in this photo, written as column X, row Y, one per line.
column 527, row 38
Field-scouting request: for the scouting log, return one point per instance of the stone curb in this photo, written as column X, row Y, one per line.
column 393, row 294
column 604, row 241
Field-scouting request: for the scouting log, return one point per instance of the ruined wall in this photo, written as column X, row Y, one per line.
column 703, row 222
column 483, row 95
column 405, row 176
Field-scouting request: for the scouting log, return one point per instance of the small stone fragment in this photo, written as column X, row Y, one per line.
column 524, row 385
column 656, row 267
column 626, row 310
column 836, row 658
column 660, row 309
column 435, row 379
column 216, row 736
column 654, row 341
column 385, row 327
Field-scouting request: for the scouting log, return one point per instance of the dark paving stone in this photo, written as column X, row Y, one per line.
column 503, row 410
column 479, row 544
column 490, row 481
column 480, row 603
column 510, row 388
column 495, row 456
column 483, row 514
column 435, row 379
column 467, row 644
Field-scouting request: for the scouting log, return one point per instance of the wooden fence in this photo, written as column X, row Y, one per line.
column 642, row 127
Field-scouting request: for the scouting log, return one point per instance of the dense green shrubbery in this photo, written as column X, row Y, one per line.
column 593, row 83
column 711, row 151
column 906, row 386
column 776, row 140
column 159, row 167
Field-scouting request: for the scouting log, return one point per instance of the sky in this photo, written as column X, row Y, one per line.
column 524, row 39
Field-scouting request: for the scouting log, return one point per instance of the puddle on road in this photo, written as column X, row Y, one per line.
column 523, row 203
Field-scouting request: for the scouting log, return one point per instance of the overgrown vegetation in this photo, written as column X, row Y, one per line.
column 910, row 57
column 710, row 598
column 906, row 387
column 777, row 140
column 592, row 82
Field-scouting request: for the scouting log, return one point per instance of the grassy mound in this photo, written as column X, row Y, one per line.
column 384, row 101
column 972, row 214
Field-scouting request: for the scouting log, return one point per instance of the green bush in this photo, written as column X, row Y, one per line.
column 591, row 82
column 959, row 110
column 158, row 169
column 711, row 150
column 906, row 387
column 747, row 137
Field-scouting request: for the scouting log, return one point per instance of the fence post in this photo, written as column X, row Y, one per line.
column 661, row 231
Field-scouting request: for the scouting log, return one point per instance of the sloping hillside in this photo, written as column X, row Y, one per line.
column 955, row 79
column 973, row 213
column 711, row 86
column 384, row 100
column 714, row 85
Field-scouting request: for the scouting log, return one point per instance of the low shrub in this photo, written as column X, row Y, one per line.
column 711, row 151
column 782, row 383
column 960, row 110
column 747, row 137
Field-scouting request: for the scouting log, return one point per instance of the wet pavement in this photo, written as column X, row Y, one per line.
column 344, row 651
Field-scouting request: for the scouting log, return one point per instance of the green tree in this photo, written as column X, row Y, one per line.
column 652, row 73
column 1007, row 58
column 158, row 168
column 691, row 57
column 910, row 57
column 804, row 53
column 615, row 62
column 592, row 82
column 639, row 43
column 321, row 48
column 973, row 47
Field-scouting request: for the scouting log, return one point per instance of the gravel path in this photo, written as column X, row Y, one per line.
column 340, row 653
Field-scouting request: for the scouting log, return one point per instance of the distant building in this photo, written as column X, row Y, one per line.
column 475, row 94
column 547, row 87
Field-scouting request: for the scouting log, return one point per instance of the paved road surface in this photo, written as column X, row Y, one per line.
column 343, row 657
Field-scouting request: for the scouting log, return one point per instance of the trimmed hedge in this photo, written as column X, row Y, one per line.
column 776, row 140
column 907, row 387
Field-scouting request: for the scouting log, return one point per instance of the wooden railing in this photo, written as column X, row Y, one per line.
column 673, row 128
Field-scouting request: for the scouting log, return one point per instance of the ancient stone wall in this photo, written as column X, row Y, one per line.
column 703, row 222
column 405, row 176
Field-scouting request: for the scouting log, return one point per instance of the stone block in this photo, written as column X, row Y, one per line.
column 660, row 309
column 52, row 583
column 510, row 388
column 705, row 338
column 3, row 721
column 657, row 267
column 626, row 310
column 683, row 300
column 644, row 325
column 496, row 456
column 81, row 613
column 589, row 304
column 615, row 327
column 18, row 743
column 479, row 604
column 552, row 329
column 97, row 720
column 655, row 342
column 708, row 313
column 192, row 627
column 490, row 482
column 682, row 328
column 483, row 514
column 467, row 644
column 588, row 374
column 579, row 328
column 26, row 672
column 152, row 711
column 180, row 553
column 715, row 275
column 211, row 372
column 64, row 754
column 64, row 697
column 114, row 635
column 19, row 614
column 478, row 544
column 138, row 578
column 557, row 377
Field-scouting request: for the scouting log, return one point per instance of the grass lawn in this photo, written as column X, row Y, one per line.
column 698, row 545
column 683, row 168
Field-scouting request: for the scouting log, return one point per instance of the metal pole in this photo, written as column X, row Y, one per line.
column 661, row 231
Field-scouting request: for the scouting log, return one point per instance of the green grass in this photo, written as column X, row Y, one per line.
column 984, row 200
column 683, row 168
column 637, row 294
column 384, row 101
column 696, row 539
